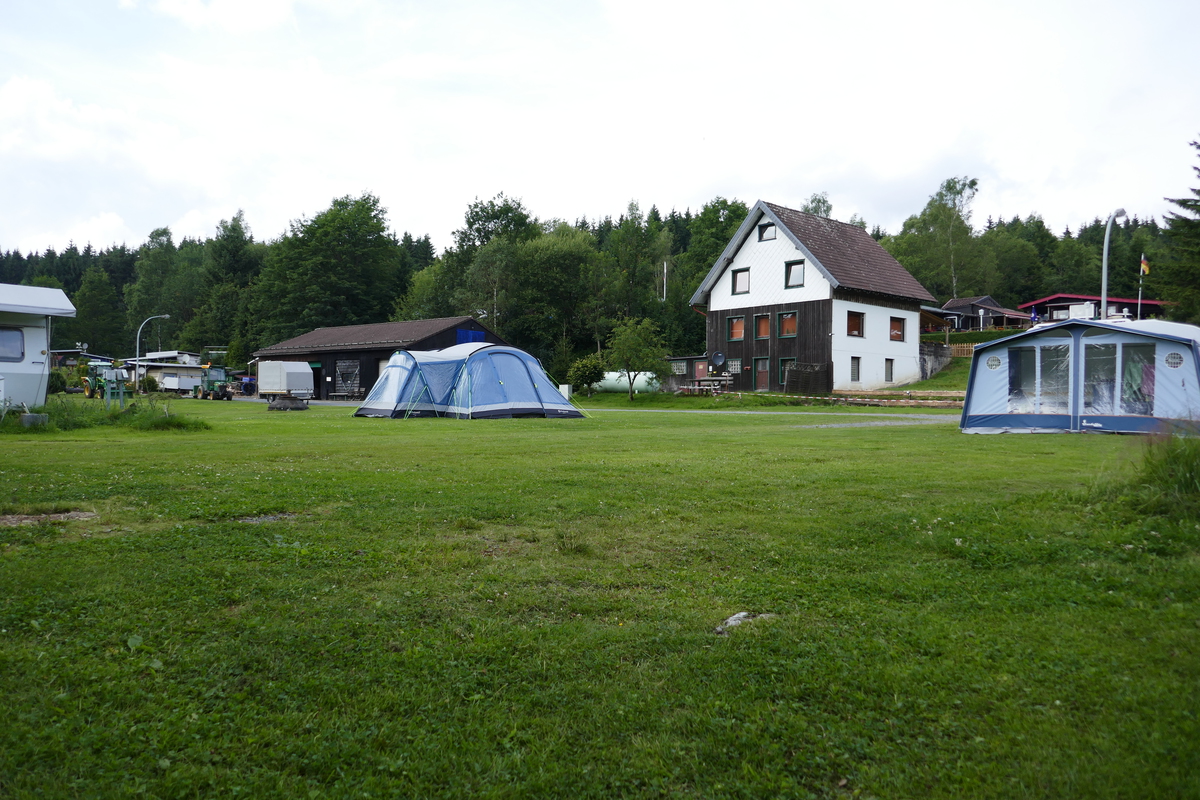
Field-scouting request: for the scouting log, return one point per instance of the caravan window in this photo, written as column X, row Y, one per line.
column 1022, row 379
column 12, row 344
column 1099, row 378
column 1056, row 379
column 1137, row 379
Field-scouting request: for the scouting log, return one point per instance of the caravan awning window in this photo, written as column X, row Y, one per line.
column 12, row 344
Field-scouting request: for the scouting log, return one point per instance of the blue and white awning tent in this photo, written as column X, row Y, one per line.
column 469, row 381
column 1087, row 376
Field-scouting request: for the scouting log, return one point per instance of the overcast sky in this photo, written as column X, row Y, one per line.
column 121, row 116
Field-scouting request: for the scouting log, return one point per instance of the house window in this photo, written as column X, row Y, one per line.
column 741, row 281
column 737, row 329
column 896, row 329
column 785, row 364
column 854, row 323
column 787, row 323
column 679, row 368
column 889, row 367
column 12, row 344
column 735, row 366
column 766, row 232
column 855, row 369
column 762, row 326
column 793, row 274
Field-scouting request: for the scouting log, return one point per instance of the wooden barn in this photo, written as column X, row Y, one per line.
column 346, row 360
column 803, row 303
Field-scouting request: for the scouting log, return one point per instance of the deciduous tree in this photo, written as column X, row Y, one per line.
column 635, row 347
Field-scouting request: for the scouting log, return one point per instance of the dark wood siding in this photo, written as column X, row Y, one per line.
column 810, row 345
column 882, row 300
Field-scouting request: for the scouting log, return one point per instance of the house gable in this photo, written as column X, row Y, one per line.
column 769, row 271
column 785, row 238
column 844, row 255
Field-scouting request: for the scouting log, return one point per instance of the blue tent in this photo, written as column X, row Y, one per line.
column 1087, row 376
column 469, row 381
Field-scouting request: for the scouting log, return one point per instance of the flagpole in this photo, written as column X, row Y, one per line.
column 1141, row 275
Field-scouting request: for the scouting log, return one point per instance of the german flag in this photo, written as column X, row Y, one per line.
column 1145, row 265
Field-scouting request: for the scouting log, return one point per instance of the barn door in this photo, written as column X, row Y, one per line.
column 762, row 374
column 700, row 369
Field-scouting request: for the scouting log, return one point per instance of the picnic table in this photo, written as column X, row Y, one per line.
column 712, row 384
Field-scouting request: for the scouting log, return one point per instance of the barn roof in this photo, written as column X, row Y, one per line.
column 375, row 336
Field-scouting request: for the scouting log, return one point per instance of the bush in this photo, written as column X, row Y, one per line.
column 968, row 337
column 56, row 384
column 68, row 414
column 149, row 384
column 586, row 372
column 1168, row 479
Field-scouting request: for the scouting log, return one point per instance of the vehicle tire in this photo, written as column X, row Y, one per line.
column 87, row 390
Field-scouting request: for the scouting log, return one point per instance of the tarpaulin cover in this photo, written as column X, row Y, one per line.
column 1084, row 375
column 471, row 381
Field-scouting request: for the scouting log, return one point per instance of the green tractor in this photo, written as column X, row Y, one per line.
column 214, row 384
column 102, row 376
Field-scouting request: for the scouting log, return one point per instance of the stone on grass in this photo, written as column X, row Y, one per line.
column 738, row 619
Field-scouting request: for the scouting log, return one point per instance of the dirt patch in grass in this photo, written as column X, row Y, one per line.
column 10, row 520
column 267, row 518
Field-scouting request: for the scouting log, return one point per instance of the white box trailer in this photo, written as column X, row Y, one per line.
column 285, row 378
column 25, row 313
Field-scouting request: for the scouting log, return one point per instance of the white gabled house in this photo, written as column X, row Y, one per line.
column 812, row 299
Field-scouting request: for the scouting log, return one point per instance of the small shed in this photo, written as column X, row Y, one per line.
column 25, row 315
column 347, row 360
column 1087, row 376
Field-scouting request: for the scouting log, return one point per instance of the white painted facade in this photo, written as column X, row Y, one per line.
column 765, row 262
column 874, row 347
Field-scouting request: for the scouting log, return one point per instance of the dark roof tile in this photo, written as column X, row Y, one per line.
column 852, row 257
column 363, row 337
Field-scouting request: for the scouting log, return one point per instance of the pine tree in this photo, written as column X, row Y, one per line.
column 1180, row 278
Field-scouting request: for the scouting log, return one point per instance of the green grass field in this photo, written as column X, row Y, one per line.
column 313, row 605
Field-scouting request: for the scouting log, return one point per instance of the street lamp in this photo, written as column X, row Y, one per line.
column 1118, row 214
column 137, row 349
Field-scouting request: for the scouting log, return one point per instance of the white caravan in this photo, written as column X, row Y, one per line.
column 25, row 313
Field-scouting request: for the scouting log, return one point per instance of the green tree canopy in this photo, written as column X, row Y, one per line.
column 634, row 347
column 939, row 247
column 99, row 318
column 338, row 268
column 1180, row 279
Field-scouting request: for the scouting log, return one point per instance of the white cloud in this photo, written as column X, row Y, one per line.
column 578, row 108
column 229, row 16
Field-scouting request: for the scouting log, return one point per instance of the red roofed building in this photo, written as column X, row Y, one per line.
column 1058, row 307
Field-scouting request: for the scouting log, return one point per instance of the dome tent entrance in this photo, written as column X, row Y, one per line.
column 468, row 381
column 1087, row 376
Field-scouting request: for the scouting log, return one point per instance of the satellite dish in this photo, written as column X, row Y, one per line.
column 718, row 358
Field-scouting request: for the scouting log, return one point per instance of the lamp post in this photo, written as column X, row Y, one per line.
column 1118, row 214
column 137, row 350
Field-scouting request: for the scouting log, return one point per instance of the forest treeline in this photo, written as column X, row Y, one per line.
column 552, row 287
